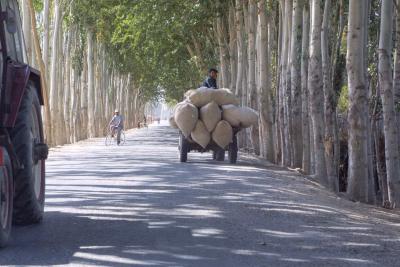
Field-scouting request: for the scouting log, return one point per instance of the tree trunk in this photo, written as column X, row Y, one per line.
column 283, row 85
column 91, row 89
column 329, row 102
column 240, row 47
column 46, row 33
column 26, row 28
column 396, row 78
column 43, row 71
column 223, row 50
column 265, row 86
column 304, row 90
column 84, row 99
column 53, row 74
column 357, row 188
column 252, row 87
column 232, row 47
column 389, row 117
column 316, row 94
column 67, row 87
column 296, row 105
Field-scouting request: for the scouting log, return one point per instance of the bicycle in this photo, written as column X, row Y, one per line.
column 113, row 139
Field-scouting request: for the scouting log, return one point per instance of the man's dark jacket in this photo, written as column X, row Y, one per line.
column 210, row 82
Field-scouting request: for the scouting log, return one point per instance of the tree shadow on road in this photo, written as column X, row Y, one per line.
column 124, row 207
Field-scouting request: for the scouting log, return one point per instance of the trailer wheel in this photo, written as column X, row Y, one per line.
column 183, row 148
column 6, row 197
column 233, row 151
column 27, row 138
column 220, row 155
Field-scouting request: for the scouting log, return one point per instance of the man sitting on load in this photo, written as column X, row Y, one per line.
column 211, row 81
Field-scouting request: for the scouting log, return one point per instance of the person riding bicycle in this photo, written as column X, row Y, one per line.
column 116, row 125
column 211, row 81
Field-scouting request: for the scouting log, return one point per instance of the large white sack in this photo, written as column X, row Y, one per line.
column 200, row 97
column 172, row 122
column 223, row 134
column 186, row 117
column 203, row 95
column 210, row 114
column 229, row 113
column 225, row 97
column 248, row 117
column 243, row 117
column 200, row 134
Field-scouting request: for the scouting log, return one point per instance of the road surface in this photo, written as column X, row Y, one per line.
column 136, row 205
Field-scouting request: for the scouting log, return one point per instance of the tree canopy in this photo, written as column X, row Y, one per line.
column 167, row 46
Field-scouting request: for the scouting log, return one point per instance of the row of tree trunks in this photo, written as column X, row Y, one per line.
column 81, row 96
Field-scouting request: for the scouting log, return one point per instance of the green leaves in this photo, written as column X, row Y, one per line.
column 150, row 38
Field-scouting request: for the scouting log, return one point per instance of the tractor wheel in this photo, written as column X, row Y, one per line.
column 233, row 151
column 27, row 138
column 183, row 148
column 6, row 197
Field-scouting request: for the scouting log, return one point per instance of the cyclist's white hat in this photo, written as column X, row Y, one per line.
column 115, row 111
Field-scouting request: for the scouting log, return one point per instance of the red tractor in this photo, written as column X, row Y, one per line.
column 22, row 148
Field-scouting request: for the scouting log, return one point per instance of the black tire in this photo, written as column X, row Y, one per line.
column 220, row 155
column 233, row 151
column 183, row 148
column 30, row 179
column 6, row 199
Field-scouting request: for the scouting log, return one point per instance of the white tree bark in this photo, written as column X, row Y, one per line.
column 306, row 164
column 91, row 89
column 232, row 47
column 223, row 50
column 357, row 188
column 252, row 87
column 396, row 78
column 316, row 94
column 67, row 87
column 46, row 32
column 329, row 99
column 284, row 132
column 53, row 74
column 84, row 98
column 390, row 128
column 26, row 28
column 264, row 89
column 295, row 69
column 240, row 47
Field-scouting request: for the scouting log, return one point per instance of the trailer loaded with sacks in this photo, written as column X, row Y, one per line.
column 209, row 120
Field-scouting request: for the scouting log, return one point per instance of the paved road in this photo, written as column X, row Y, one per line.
column 135, row 205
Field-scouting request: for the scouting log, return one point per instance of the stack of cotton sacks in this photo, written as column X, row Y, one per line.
column 208, row 114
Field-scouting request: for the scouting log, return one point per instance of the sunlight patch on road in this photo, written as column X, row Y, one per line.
column 206, row 232
column 353, row 244
column 114, row 259
column 352, row 260
column 305, row 234
column 182, row 212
